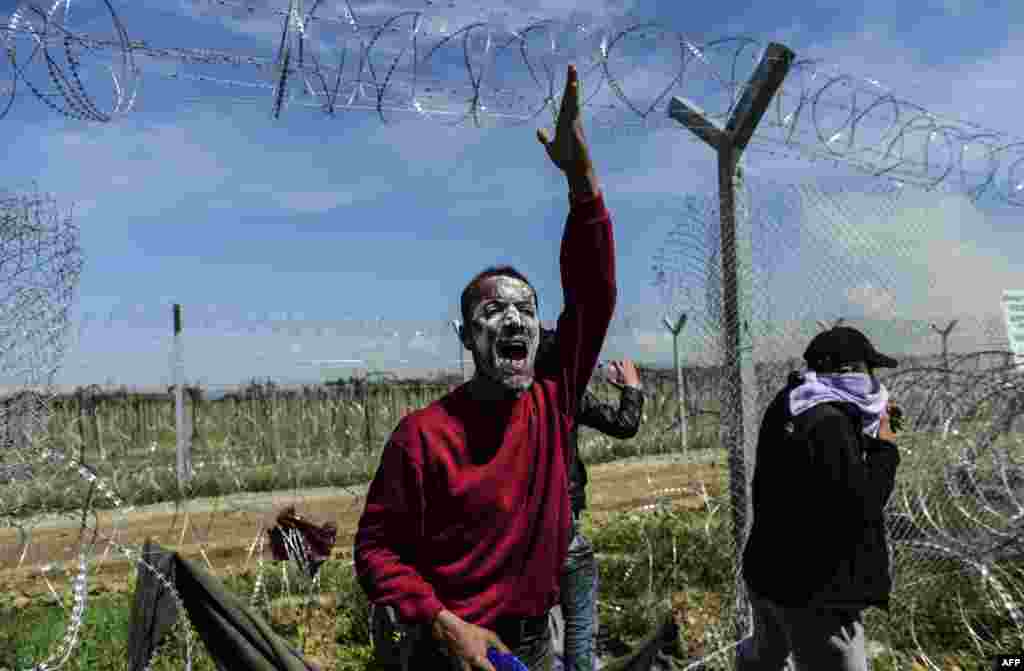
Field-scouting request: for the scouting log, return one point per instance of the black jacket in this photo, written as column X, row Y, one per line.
column 818, row 534
column 621, row 422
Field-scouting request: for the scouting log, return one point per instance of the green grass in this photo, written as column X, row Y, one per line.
column 691, row 573
column 278, row 442
column 29, row 635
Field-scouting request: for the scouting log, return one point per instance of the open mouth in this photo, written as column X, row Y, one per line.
column 512, row 354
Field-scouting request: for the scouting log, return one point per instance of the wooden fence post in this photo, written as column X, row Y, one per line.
column 80, row 397
column 183, row 451
column 94, row 424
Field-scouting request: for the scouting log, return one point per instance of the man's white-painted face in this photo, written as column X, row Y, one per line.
column 504, row 332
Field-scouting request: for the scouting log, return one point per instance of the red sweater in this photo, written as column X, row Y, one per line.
column 469, row 508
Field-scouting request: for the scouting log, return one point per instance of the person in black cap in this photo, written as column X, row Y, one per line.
column 817, row 555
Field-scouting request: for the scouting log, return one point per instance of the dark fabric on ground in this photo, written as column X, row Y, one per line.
column 153, row 611
column 237, row 638
column 661, row 651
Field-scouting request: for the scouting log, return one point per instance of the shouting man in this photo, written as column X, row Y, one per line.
column 467, row 521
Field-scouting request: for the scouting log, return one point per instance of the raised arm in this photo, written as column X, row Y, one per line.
column 587, row 256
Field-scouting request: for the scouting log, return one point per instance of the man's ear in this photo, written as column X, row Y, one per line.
column 461, row 329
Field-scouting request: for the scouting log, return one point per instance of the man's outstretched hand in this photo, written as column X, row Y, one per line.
column 568, row 150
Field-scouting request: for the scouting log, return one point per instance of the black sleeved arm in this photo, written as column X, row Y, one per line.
column 881, row 459
column 853, row 479
column 622, row 422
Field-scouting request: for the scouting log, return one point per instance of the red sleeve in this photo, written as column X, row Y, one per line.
column 587, row 263
column 389, row 531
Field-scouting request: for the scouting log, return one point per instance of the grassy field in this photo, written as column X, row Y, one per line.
column 270, row 439
column 267, row 438
column 687, row 568
column 672, row 557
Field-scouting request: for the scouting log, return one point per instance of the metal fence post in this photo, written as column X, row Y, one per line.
column 675, row 329
column 738, row 413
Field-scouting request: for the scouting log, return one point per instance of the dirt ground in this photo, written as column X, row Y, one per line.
column 221, row 534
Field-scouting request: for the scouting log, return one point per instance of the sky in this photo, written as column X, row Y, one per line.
column 311, row 247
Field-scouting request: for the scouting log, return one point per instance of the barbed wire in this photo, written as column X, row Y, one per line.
column 40, row 264
column 43, row 31
column 967, row 505
column 959, row 506
column 486, row 72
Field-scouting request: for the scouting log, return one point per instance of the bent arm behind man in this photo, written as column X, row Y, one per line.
column 618, row 422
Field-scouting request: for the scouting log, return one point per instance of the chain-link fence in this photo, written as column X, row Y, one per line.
column 819, row 253
column 808, row 255
column 40, row 264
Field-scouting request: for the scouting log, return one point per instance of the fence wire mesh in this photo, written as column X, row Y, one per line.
column 40, row 264
column 818, row 253
column 810, row 254
column 807, row 253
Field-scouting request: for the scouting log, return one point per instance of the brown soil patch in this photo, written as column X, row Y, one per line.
column 223, row 537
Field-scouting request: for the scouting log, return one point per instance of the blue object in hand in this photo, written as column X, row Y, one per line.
column 505, row 661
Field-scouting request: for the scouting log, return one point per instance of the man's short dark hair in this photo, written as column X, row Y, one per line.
column 471, row 294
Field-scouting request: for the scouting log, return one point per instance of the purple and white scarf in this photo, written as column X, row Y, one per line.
column 856, row 388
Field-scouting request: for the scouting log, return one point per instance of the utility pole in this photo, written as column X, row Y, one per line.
column 740, row 417
column 675, row 329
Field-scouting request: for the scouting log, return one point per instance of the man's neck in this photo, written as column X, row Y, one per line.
column 481, row 388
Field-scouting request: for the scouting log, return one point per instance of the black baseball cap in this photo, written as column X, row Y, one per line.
column 843, row 344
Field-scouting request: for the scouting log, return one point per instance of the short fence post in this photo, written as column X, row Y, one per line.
column 183, row 451
column 675, row 329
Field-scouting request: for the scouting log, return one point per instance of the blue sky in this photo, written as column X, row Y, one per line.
column 312, row 238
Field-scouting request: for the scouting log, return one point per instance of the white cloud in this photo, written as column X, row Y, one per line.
column 876, row 301
column 126, row 161
column 651, row 341
column 311, row 202
column 84, row 207
column 420, row 342
column 951, row 90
